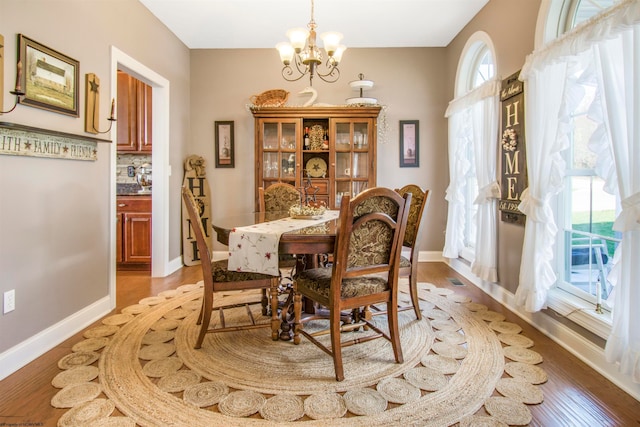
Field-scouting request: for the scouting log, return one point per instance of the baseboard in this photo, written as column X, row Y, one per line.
column 430, row 256
column 21, row 354
column 174, row 265
column 564, row 336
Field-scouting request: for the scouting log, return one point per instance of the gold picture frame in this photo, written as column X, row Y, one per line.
column 49, row 78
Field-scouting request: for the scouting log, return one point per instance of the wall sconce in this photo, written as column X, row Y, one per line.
column 92, row 100
column 18, row 92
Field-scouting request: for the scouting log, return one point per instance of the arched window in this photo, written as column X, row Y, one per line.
column 585, row 211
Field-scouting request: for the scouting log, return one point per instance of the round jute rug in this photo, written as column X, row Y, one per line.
column 244, row 378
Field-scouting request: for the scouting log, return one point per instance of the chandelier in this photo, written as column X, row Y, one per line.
column 304, row 54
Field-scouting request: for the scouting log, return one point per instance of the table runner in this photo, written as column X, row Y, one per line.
column 254, row 248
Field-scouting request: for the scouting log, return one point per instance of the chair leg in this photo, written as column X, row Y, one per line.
column 265, row 303
column 207, row 306
column 413, row 289
column 275, row 323
column 297, row 315
column 394, row 331
column 336, row 348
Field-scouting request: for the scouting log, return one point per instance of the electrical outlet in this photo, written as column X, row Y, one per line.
column 9, row 301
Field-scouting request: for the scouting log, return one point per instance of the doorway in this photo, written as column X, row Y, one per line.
column 160, row 160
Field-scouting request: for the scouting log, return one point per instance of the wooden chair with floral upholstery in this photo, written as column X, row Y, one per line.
column 412, row 235
column 364, row 272
column 279, row 197
column 217, row 278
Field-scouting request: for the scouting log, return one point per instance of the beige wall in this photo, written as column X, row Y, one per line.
column 409, row 82
column 55, row 214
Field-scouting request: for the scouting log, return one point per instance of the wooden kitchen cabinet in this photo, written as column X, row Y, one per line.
column 133, row 232
column 134, row 114
column 339, row 159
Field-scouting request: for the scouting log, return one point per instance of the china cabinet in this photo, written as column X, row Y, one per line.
column 332, row 148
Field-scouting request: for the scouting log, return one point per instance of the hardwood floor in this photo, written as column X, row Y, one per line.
column 575, row 395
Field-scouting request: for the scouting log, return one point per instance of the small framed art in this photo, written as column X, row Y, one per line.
column 225, row 157
column 409, row 144
column 48, row 78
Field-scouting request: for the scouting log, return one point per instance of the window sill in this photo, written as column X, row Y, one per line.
column 580, row 312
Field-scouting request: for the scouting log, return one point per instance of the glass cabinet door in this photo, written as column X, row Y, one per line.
column 279, row 144
column 352, row 157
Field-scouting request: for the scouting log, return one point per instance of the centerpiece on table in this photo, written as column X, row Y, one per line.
column 308, row 208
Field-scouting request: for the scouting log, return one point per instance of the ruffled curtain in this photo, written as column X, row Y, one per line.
column 485, row 142
column 618, row 65
column 545, row 165
column 607, row 46
column 459, row 138
column 473, row 120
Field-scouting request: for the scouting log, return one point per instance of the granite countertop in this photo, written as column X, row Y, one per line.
column 129, row 190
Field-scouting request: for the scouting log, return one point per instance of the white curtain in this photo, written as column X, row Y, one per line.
column 618, row 65
column 459, row 137
column 545, row 166
column 609, row 45
column 485, row 142
column 473, row 121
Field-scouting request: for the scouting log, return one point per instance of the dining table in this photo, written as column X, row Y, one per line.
column 309, row 244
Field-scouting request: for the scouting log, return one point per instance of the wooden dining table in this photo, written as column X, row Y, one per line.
column 306, row 243
column 318, row 239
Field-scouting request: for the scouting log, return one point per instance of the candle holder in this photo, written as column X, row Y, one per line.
column 18, row 92
column 308, row 208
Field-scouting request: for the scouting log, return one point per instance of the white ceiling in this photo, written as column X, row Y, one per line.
column 220, row 24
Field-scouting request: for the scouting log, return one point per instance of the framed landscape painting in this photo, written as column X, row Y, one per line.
column 48, row 78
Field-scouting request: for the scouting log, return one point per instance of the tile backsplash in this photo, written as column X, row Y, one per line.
column 125, row 162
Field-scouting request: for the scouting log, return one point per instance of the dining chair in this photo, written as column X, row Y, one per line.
column 217, row 278
column 412, row 236
column 364, row 272
column 280, row 197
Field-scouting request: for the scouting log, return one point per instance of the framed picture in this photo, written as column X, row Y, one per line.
column 225, row 157
column 48, row 78
column 409, row 144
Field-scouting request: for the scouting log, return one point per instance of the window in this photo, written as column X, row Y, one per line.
column 586, row 212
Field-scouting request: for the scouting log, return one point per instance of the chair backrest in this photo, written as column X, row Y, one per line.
column 372, row 226
column 419, row 200
column 193, row 210
column 278, row 197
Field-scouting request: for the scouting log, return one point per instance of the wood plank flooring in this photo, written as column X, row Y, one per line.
column 575, row 395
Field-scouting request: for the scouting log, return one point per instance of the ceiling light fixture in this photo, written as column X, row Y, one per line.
column 307, row 57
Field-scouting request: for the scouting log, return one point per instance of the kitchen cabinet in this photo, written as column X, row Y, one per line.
column 134, row 114
column 133, row 232
column 332, row 147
